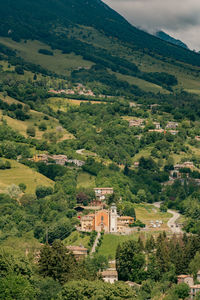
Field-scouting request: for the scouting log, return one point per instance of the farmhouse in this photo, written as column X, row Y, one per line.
column 109, row 275
column 78, row 251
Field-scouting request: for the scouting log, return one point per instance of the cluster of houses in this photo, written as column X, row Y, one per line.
column 78, row 90
column 170, row 127
column 59, row 159
column 177, row 173
column 189, row 280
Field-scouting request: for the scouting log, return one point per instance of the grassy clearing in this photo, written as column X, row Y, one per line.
column 144, row 85
column 76, row 239
column 147, row 212
column 63, row 104
column 22, row 174
column 111, row 241
column 144, row 152
column 59, row 63
column 85, row 180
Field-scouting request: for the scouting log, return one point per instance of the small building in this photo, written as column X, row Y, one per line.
column 78, row 163
column 88, row 223
column 171, row 125
column 194, row 289
column 136, row 164
column 136, row 123
column 109, row 275
column 78, row 251
column 101, row 193
column 188, row 279
column 59, row 159
column 157, row 125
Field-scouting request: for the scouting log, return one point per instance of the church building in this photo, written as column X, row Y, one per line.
column 106, row 220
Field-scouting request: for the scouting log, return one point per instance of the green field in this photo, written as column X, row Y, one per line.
column 22, row 174
column 59, row 63
column 144, row 85
column 85, row 180
column 147, row 212
column 76, row 239
column 111, row 241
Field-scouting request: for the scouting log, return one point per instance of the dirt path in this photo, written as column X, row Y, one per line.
column 172, row 221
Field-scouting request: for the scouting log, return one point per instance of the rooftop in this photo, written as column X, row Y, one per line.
column 109, row 273
column 184, row 276
column 77, row 248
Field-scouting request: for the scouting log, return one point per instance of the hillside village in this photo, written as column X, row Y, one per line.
column 99, row 157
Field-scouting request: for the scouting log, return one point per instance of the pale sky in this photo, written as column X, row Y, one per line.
column 179, row 18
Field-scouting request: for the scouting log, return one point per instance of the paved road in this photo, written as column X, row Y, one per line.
column 95, row 243
column 172, row 222
column 80, row 151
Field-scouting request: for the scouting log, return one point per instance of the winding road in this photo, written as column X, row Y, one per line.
column 172, row 221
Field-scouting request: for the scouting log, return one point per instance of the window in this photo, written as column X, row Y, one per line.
column 101, row 218
column 113, row 211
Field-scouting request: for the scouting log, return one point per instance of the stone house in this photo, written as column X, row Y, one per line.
column 136, row 123
column 59, row 159
column 78, row 163
column 188, row 279
column 78, row 251
column 109, row 275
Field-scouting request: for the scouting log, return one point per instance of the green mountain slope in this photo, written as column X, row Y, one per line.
column 48, row 20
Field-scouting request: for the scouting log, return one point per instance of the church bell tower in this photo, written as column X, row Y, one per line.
column 113, row 218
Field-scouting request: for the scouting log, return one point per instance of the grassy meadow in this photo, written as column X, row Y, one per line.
column 59, row 63
column 22, row 174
